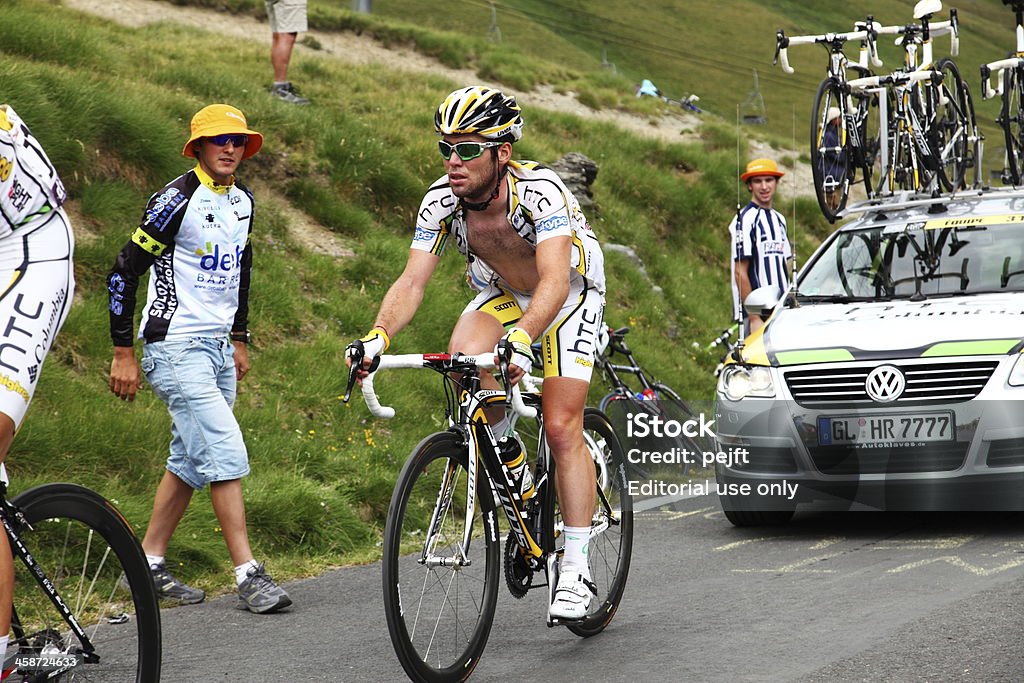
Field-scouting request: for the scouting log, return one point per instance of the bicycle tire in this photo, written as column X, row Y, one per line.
column 609, row 553
column 832, row 191
column 1011, row 119
column 85, row 547
column 867, row 151
column 442, row 648
column 951, row 133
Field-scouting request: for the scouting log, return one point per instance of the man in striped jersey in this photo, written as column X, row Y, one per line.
column 761, row 249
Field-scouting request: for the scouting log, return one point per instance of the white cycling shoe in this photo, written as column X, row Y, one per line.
column 573, row 596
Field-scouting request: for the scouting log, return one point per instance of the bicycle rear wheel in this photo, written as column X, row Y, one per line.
column 610, row 550
column 952, row 132
column 1011, row 118
column 439, row 597
column 95, row 562
column 830, row 151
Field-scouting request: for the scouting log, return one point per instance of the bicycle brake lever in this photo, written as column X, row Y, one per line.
column 355, row 352
column 781, row 41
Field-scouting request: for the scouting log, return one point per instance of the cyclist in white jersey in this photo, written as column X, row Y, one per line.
column 761, row 249
column 37, row 276
column 539, row 271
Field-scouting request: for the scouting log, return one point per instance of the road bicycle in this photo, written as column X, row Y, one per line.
column 931, row 136
column 648, row 397
column 442, row 549
column 1011, row 88
column 844, row 122
column 85, row 607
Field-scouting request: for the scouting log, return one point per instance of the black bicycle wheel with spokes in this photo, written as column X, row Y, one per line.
column 95, row 562
column 611, row 547
column 439, row 593
column 867, row 150
column 830, row 150
column 1011, row 119
column 951, row 135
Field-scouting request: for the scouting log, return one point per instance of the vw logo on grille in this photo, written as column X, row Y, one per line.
column 885, row 384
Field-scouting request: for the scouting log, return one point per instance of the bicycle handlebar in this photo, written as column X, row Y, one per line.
column 782, row 43
column 420, row 360
column 897, row 78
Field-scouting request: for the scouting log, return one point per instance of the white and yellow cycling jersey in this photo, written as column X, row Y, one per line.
column 36, row 268
column 540, row 207
column 29, row 185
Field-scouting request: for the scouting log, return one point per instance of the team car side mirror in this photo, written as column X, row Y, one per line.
column 761, row 302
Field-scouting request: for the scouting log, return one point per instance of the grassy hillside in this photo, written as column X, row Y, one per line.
column 712, row 48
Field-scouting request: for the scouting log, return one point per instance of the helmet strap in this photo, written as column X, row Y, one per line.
column 481, row 206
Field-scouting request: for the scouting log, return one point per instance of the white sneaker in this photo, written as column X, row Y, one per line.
column 573, row 596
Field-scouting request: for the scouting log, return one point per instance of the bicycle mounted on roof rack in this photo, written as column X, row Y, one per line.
column 1010, row 87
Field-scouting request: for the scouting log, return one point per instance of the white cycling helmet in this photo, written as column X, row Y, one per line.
column 481, row 110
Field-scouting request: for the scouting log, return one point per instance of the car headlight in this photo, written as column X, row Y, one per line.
column 740, row 381
column 1016, row 378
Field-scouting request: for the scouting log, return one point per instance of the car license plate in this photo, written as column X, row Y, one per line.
column 899, row 428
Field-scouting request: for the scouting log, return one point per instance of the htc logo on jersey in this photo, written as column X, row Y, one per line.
column 213, row 259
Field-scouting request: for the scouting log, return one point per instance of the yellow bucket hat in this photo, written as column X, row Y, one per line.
column 761, row 167
column 218, row 119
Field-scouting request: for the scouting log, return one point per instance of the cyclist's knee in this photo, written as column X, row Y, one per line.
column 563, row 431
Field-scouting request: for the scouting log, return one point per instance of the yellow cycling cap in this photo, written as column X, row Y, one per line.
column 218, row 119
column 761, row 167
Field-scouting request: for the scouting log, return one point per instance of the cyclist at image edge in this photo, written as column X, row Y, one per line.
column 36, row 250
column 760, row 246
column 539, row 271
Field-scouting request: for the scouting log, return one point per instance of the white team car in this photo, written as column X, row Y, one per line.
column 892, row 376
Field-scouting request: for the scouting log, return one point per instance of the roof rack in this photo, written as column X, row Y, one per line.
column 906, row 199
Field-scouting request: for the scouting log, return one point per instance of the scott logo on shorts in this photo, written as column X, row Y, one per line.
column 213, row 259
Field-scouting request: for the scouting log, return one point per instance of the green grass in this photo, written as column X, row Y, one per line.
column 112, row 106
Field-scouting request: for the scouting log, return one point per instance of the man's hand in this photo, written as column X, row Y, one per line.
column 124, row 373
column 520, row 356
column 374, row 343
column 241, row 359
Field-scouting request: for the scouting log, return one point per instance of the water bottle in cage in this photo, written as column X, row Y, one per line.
column 513, row 454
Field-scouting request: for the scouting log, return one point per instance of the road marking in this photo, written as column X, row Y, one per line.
column 737, row 544
column 948, row 543
column 957, row 561
column 826, row 542
column 800, row 567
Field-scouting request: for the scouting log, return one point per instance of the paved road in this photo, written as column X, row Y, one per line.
column 831, row 597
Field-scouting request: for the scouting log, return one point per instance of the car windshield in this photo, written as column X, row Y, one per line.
column 918, row 261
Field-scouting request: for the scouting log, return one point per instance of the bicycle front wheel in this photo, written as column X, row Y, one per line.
column 95, row 562
column 1011, row 118
column 830, row 150
column 611, row 542
column 439, row 592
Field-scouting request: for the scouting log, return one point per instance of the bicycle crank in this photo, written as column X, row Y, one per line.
column 518, row 574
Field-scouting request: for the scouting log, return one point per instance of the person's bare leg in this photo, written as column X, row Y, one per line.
column 280, row 54
column 172, row 498
column 229, row 507
column 6, row 559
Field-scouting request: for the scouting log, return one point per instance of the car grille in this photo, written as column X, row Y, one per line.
column 769, row 461
column 848, row 460
column 926, row 383
column 1005, row 453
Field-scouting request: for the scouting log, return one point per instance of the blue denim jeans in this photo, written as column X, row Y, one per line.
column 195, row 377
